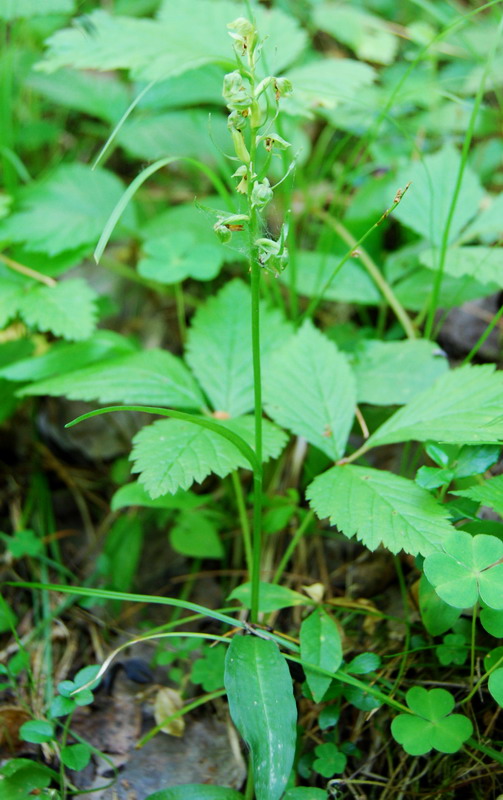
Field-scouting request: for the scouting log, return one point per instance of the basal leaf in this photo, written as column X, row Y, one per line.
column 380, row 508
column 262, row 706
column 67, row 209
column 463, row 406
column 392, row 373
column 219, row 347
column 489, row 493
column 153, row 377
column 425, row 207
column 483, row 263
column 67, row 309
column 14, row 9
column 183, row 38
column 310, row 389
column 172, row 454
column 320, row 644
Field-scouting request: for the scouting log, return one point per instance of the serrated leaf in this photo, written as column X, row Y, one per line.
column 489, row 493
column 66, row 210
column 393, row 373
column 14, row 9
column 485, row 264
column 219, row 346
column 173, row 258
column 172, row 454
column 183, row 38
column 462, row 406
column 320, row 644
column 101, row 96
column 272, row 597
column 153, row 377
column 366, row 34
column 351, row 284
column 262, row 706
column 310, row 389
column 380, row 508
column 467, row 568
column 67, row 309
column 425, row 207
column 434, row 727
column 63, row 357
column 326, row 83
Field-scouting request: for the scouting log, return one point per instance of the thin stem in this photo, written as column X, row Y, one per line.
column 375, row 273
column 180, row 311
column 472, row 643
column 299, row 533
column 428, row 332
column 480, row 341
column 28, row 271
column 243, row 520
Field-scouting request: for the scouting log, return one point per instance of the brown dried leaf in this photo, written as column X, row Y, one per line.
column 167, row 702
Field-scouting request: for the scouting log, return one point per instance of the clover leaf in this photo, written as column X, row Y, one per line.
column 467, row 569
column 329, row 760
column 453, row 649
column 433, row 726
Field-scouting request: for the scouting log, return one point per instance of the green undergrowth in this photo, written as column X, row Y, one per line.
column 288, row 205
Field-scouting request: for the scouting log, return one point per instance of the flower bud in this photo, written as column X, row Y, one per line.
column 239, row 146
column 235, row 94
column 261, row 194
column 273, row 140
column 244, row 34
column 282, row 87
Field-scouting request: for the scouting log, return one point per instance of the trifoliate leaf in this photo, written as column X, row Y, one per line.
column 329, row 760
column 468, row 568
column 462, row 406
column 425, row 207
column 209, row 669
column 393, row 373
column 310, row 389
column 219, row 347
column 67, row 309
column 172, row 454
column 67, row 209
column 153, row 377
column 453, row 649
column 432, row 726
column 489, row 493
column 380, row 508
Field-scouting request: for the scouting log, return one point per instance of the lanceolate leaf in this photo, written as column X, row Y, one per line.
column 310, row 389
column 172, row 454
column 380, row 508
column 262, row 706
column 196, row 791
column 463, row 406
column 219, row 347
column 320, row 644
column 272, row 596
column 152, row 376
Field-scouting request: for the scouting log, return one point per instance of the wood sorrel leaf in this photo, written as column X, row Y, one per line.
column 262, row 706
column 467, row 569
column 433, row 727
column 380, row 508
column 320, row 644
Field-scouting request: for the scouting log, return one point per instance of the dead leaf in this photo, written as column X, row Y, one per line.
column 166, row 703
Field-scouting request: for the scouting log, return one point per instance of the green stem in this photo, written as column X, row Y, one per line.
column 180, row 713
column 428, row 331
column 480, row 341
column 180, row 311
column 299, row 533
column 472, row 643
column 243, row 520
